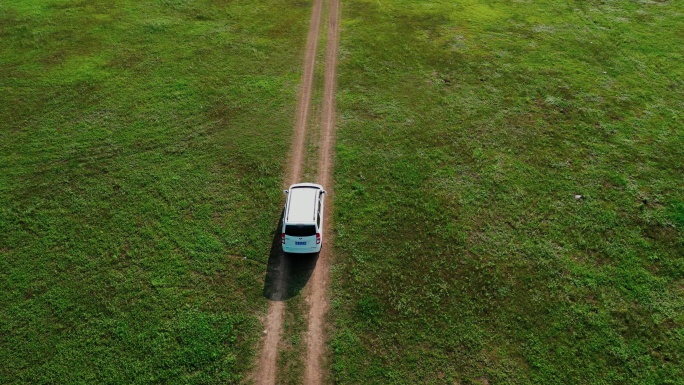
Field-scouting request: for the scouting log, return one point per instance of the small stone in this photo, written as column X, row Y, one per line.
column 265, row 332
column 578, row 197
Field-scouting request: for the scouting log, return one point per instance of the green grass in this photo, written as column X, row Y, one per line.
column 141, row 158
column 466, row 128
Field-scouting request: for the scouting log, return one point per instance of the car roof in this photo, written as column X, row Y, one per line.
column 303, row 199
column 314, row 185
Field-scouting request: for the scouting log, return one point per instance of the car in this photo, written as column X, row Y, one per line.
column 303, row 218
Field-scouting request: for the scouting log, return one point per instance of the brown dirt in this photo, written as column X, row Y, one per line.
column 317, row 296
column 266, row 369
column 297, row 151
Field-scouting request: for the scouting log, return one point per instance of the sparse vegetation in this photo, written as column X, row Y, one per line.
column 141, row 150
column 466, row 130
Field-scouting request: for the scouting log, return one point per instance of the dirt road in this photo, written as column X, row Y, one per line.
column 317, row 295
column 266, row 369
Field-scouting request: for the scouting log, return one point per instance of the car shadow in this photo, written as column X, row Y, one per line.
column 286, row 274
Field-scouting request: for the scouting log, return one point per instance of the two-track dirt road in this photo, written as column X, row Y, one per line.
column 316, row 293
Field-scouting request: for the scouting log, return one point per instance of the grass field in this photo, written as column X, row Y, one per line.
column 466, row 130
column 141, row 158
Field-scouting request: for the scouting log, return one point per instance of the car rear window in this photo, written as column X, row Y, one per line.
column 300, row 230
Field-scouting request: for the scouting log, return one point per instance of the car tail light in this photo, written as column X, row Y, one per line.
column 318, row 238
column 282, row 237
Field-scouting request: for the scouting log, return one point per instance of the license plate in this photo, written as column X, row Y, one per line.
column 300, row 243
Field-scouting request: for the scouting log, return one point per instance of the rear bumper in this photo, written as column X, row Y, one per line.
column 301, row 250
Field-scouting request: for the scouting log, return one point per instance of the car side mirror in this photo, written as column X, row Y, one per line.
column 323, row 192
column 286, row 192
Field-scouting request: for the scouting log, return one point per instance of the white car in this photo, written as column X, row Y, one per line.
column 303, row 218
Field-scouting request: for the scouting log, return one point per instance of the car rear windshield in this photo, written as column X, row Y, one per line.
column 300, row 230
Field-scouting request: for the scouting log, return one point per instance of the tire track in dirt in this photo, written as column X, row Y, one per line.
column 266, row 368
column 317, row 296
